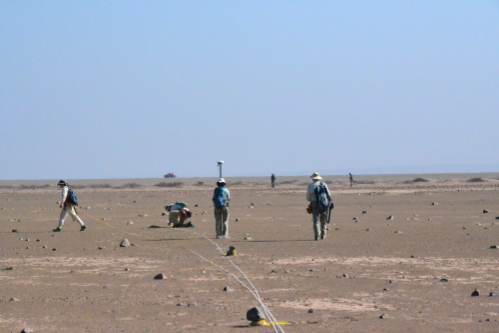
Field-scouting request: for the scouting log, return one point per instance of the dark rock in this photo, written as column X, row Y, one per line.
column 27, row 330
column 355, row 218
column 383, row 316
column 368, row 229
column 160, row 276
column 54, row 249
column 391, row 281
column 163, row 214
column 311, row 311
column 237, row 220
column 8, row 269
column 385, row 289
column 312, row 270
column 493, row 294
column 100, row 248
column 273, row 271
column 413, row 257
column 485, row 211
column 475, row 293
column 227, row 289
column 364, row 212
column 14, row 230
column 196, row 205
column 125, row 243
column 254, row 314
column 127, row 269
column 444, row 280
column 390, row 217
column 345, row 275
column 434, row 203
column 494, row 247
column 154, row 227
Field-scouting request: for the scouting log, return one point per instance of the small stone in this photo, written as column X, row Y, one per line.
column 130, row 223
column 475, row 293
column 464, row 228
column 390, row 217
column 434, row 203
column 127, row 269
column 385, row 289
column 485, row 211
column 254, row 315
column 444, row 280
column 14, row 230
column 493, row 294
column 192, row 305
column 27, row 330
column 391, row 281
column 368, row 229
column 38, row 240
column 88, row 208
column 413, row 257
column 345, row 275
column 312, row 270
column 494, row 247
column 311, row 311
column 160, row 276
column 54, row 249
column 237, row 220
column 273, row 271
column 355, row 218
column 398, row 232
column 125, row 243
column 203, row 272
column 8, row 269
column 383, row 316
column 163, row 214
column 227, row 289
column 103, row 219
column 364, row 212
column 100, row 248
column 27, row 240
column 45, row 246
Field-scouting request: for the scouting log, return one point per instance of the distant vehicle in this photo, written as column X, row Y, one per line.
column 170, row 175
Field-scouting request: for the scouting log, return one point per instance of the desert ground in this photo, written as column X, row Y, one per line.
column 418, row 269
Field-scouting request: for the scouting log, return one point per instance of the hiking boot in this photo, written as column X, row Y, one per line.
column 57, row 229
column 83, row 227
column 316, row 238
column 323, row 236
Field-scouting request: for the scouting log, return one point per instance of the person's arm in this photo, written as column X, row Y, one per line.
column 65, row 190
column 228, row 194
column 309, row 195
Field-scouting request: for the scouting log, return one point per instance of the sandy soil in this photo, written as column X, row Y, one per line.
column 90, row 284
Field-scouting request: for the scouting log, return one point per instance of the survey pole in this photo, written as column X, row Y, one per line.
column 220, row 163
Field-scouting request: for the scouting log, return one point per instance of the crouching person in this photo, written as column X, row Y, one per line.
column 179, row 213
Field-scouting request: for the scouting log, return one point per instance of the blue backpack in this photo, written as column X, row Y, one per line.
column 323, row 198
column 219, row 197
column 71, row 198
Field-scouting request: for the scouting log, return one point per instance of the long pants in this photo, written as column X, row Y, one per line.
column 177, row 219
column 273, row 184
column 319, row 220
column 70, row 209
column 222, row 221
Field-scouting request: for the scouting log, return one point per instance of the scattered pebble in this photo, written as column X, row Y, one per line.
column 311, row 311
column 485, row 211
column 444, row 280
column 475, row 293
column 160, row 276
column 383, row 316
column 125, row 243
column 493, row 294
column 390, row 217
column 227, row 289
column 192, row 305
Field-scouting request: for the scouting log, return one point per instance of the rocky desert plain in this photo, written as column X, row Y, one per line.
column 404, row 253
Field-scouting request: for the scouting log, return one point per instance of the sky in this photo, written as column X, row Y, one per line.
column 137, row 89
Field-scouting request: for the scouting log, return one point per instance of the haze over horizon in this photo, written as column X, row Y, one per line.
column 96, row 90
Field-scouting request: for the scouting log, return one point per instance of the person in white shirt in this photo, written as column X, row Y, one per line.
column 319, row 218
column 179, row 213
column 67, row 208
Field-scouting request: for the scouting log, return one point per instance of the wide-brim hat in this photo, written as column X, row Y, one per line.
column 316, row 176
column 62, row 182
column 221, row 181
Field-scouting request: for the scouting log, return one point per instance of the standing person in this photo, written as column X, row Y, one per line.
column 351, row 179
column 68, row 205
column 319, row 213
column 272, row 180
column 179, row 213
column 221, row 198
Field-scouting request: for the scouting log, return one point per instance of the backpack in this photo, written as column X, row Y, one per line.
column 183, row 204
column 323, row 198
column 71, row 198
column 219, row 197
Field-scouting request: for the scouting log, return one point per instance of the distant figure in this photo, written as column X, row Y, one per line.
column 68, row 205
column 351, row 179
column 179, row 213
column 318, row 194
column 221, row 198
column 272, row 180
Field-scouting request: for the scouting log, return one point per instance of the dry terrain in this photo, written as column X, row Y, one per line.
column 418, row 268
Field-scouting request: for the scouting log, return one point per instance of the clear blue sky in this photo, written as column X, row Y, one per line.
column 133, row 89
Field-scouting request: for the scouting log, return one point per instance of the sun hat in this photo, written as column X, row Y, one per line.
column 316, row 176
column 62, row 182
column 221, row 181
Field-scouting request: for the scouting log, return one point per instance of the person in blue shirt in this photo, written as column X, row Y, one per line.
column 221, row 198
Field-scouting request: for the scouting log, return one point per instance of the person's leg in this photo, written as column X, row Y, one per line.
column 174, row 217
column 323, row 225
column 315, row 220
column 225, row 221
column 75, row 216
column 182, row 223
column 64, row 214
column 218, row 222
